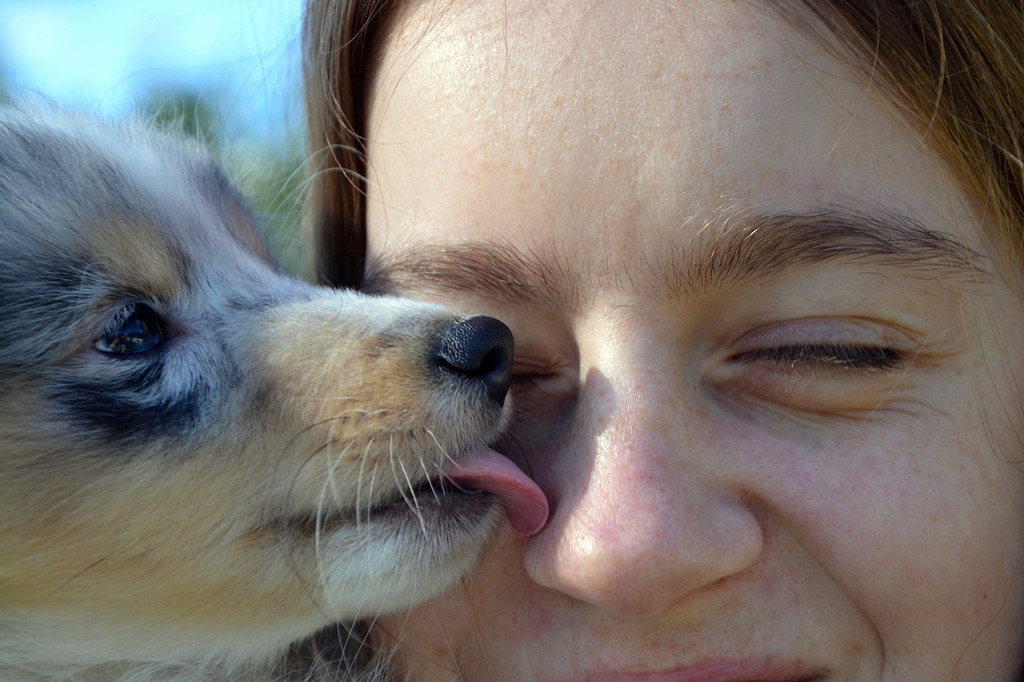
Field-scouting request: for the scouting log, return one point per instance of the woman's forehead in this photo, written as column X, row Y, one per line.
column 638, row 114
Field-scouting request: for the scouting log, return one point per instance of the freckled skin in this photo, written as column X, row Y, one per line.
column 709, row 502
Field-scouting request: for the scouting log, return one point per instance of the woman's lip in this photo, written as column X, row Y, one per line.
column 715, row 671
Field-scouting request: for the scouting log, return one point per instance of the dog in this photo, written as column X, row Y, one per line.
column 209, row 470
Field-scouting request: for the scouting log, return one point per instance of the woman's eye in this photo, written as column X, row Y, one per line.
column 825, row 366
column 828, row 356
column 542, row 400
column 135, row 329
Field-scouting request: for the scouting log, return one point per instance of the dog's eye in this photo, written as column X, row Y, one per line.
column 135, row 329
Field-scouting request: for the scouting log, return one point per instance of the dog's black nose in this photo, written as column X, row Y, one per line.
column 478, row 348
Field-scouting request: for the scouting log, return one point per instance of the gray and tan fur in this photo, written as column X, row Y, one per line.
column 199, row 510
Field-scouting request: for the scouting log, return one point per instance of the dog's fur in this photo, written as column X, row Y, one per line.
column 196, row 510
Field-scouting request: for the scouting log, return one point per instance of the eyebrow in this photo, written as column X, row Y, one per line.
column 726, row 251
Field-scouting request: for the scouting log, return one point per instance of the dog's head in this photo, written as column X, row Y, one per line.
column 195, row 448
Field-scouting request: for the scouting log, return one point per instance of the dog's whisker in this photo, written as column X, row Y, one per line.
column 373, row 480
column 410, row 499
column 429, row 478
column 332, row 465
column 318, row 535
column 363, row 461
column 444, row 453
column 341, row 416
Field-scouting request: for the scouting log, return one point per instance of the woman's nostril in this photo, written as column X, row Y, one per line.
column 478, row 348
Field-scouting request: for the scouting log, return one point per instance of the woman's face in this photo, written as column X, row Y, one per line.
column 765, row 361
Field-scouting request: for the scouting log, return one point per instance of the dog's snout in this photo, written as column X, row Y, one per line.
column 478, row 348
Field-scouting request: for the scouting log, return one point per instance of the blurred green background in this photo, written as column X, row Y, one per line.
column 226, row 72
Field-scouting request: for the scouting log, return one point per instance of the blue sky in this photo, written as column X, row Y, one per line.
column 102, row 55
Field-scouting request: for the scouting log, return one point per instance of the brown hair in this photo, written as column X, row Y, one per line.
column 338, row 41
column 955, row 70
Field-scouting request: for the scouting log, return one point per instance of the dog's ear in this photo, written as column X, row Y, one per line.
column 233, row 210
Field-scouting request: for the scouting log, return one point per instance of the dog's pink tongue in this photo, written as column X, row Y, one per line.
column 525, row 504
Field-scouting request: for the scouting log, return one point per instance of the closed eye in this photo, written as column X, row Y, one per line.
column 820, row 377
column 826, row 355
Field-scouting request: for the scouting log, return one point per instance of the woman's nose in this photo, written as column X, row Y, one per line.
column 643, row 517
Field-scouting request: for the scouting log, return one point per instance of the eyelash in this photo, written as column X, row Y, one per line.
column 527, row 379
column 826, row 355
